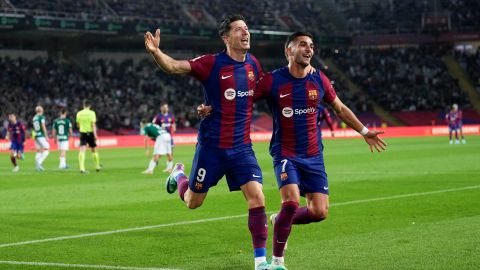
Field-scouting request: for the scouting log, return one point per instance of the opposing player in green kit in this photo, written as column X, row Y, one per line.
column 41, row 138
column 162, row 144
column 62, row 131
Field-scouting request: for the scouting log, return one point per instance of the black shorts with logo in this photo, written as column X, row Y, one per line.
column 87, row 138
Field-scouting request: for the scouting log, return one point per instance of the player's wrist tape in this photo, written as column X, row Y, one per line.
column 364, row 131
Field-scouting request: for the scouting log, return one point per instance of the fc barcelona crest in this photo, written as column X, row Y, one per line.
column 251, row 76
column 312, row 94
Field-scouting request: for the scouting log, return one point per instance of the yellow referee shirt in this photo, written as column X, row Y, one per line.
column 85, row 118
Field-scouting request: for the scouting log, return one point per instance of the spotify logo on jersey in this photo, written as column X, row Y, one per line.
column 230, row 94
column 287, row 112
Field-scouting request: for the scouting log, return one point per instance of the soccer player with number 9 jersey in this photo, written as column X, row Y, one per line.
column 294, row 94
column 224, row 146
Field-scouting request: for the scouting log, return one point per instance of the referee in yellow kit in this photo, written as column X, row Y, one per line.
column 86, row 122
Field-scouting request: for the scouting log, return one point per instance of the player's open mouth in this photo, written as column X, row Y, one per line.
column 244, row 41
column 307, row 56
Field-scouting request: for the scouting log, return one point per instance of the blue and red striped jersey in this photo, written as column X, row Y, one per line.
column 166, row 121
column 454, row 117
column 294, row 104
column 228, row 87
column 16, row 132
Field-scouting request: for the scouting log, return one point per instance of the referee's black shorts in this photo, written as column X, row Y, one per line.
column 87, row 138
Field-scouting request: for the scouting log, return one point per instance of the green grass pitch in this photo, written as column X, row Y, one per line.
column 415, row 206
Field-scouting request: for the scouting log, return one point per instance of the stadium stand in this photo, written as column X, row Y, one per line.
column 464, row 14
column 410, row 81
column 377, row 16
column 403, row 79
column 69, row 9
column 470, row 62
column 267, row 14
column 122, row 93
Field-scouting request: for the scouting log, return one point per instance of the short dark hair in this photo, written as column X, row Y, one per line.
column 293, row 36
column 224, row 26
column 87, row 103
column 63, row 111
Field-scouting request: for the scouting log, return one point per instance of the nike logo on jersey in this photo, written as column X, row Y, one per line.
column 282, row 95
column 256, row 176
column 325, row 188
column 226, row 77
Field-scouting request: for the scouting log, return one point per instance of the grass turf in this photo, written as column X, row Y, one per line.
column 420, row 230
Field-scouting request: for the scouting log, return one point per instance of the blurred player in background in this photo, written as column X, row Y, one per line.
column 61, row 132
column 324, row 115
column 454, row 122
column 16, row 135
column 162, row 146
column 166, row 120
column 294, row 94
column 87, row 124
column 41, row 138
column 224, row 146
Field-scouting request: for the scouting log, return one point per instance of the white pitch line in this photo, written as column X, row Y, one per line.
column 405, row 195
column 226, row 218
column 120, row 231
column 94, row 266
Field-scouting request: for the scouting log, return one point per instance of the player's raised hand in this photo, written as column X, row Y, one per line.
column 152, row 42
column 204, row 110
column 374, row 141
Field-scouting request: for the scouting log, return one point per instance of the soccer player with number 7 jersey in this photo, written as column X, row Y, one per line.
column 62, row 131
column 294, row 94
column 224, row 146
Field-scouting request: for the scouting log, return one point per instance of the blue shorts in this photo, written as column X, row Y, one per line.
column 210, row 164
column 453, row 127
column 308, row 173
column 16, row 147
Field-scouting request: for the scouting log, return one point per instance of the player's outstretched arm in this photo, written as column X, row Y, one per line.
column 371, row 137
column 165, row 62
